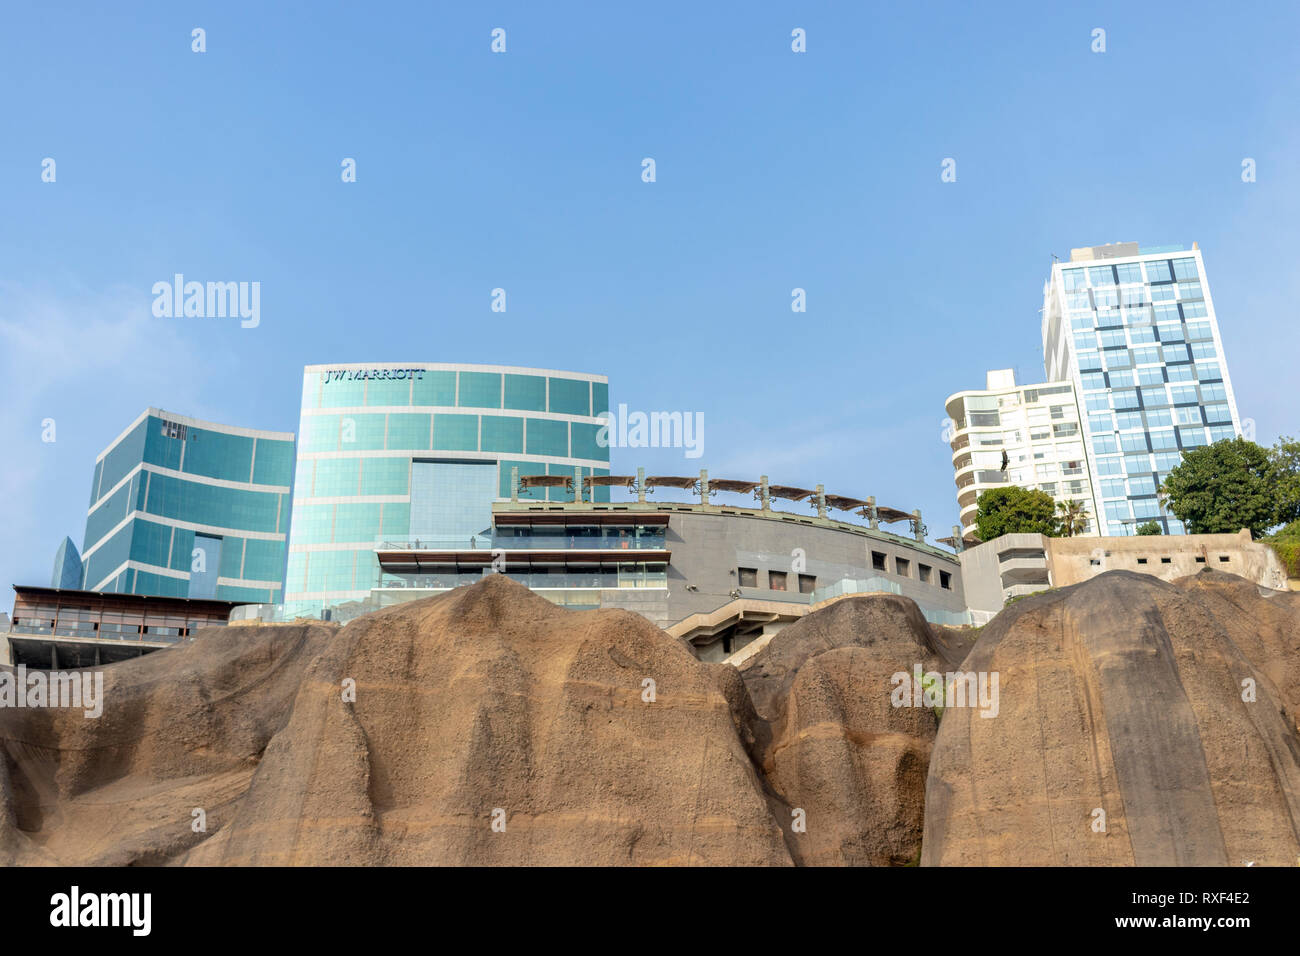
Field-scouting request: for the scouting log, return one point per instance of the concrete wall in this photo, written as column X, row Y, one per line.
column 709, row 545
column 6, row 657
column 994, row 571
column 1166, row 556
column 982, row 572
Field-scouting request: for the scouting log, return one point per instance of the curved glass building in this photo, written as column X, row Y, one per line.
column 415, row 454
column 181, row 507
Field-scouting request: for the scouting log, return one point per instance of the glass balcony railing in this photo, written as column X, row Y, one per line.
column 622, row 576
column 638, row 541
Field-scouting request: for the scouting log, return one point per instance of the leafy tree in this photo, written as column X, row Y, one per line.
column 1015, row 510
column 1073, row 517
column 1224, row 487
column 1149, row 527
column 1285, row 459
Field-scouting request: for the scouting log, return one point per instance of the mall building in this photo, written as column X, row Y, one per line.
column 716, row 574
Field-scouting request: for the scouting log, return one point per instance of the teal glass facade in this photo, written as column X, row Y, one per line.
column 395, row 454
column 185, row 508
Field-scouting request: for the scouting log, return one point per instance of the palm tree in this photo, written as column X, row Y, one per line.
column 1074, row 517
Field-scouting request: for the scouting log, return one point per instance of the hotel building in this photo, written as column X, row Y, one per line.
column 414, row 455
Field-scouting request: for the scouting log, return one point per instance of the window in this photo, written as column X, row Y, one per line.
column 1185, row 268
column 945, row 580
column 1074, row 279
column 776, row 580
column 1165, row 560
column 923, row 572
column 877, row 561
column 902, row 567
column 1142, row 560
column 1213, row 392
column 1200, row 559
column 1223, row 559
column 1113, row 338
column 748, row 577
column 1158, row 271
column 1129, row 272
column 1101, row 275
column 807, row 583
column 1154, row 395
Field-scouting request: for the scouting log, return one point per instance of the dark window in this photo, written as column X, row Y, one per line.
column 924, row 571
column 1142, row 560
column 877, row 561
column 1200, row 560
column 902, row 567
column 1223, row 559
column 1164, row 560
column 807, row 583
column 776, row 580
column 748, row 577
column 945, row 580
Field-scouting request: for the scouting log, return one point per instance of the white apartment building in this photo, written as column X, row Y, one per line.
column 1026, row 435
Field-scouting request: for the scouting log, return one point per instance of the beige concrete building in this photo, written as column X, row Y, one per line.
column 1018, row 564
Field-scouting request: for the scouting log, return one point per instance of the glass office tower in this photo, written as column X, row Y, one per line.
column 413, row 455
column 186, row 508
column 1135, row 331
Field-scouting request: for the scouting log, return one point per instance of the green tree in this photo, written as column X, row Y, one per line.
column 1149, row 527
column 1015, row 510
column 1073, row 517
column 1285, row 459
column 1222, row 488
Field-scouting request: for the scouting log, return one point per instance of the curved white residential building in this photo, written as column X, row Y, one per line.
column 1026, row 435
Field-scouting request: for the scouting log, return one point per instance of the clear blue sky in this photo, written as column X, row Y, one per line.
column 523, row 171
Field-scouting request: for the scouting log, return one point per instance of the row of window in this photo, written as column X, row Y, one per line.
column 419, row 431
column 776, row 580
column 903, row 568
column 1156, row 271
column 451, row 389
column 195, row 451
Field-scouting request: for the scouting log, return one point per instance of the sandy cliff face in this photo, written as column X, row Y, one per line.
column 829, row 741
column 487, row 726
column 486, row 699
column 1123, row 695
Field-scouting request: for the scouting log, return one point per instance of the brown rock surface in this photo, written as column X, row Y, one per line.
column 1124, row 693
column 487, row 697
column 830, row 742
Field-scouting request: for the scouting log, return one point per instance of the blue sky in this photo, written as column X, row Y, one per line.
column 522, row 170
